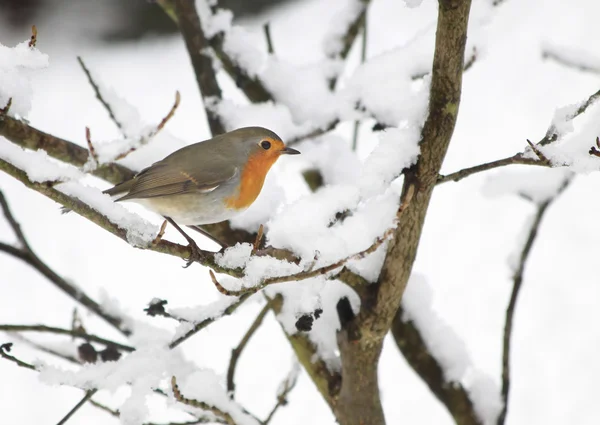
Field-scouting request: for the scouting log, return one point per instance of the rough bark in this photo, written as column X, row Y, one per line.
column 361, row 338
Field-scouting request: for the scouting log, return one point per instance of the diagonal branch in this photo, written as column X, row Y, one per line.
column 450, row 394
column 88, row 395
column 201, row 325
column 517, row 284
column 196, row 43
column 101, row 220
column 99, row 96
column 200, row 404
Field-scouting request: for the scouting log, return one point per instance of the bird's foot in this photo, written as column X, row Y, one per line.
column 196, row 254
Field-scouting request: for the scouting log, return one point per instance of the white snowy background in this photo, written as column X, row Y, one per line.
column 473, row 233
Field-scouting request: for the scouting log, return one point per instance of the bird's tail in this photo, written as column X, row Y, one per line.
column 121, row 188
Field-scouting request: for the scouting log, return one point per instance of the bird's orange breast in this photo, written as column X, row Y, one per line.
column 252, row 179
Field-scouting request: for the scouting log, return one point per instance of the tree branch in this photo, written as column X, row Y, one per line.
column 94, row 216
column 88, row 395
column 361, row 338
column 201, row 325
column 196, row 43
column 518, row 158
column 450, row 394
column 22, row 134
column 517, row 284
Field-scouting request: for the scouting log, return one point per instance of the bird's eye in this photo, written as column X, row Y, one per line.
column 265, row 144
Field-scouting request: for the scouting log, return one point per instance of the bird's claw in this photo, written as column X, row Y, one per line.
column 196, row 254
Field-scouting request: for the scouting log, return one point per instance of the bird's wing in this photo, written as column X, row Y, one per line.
column 179, row 174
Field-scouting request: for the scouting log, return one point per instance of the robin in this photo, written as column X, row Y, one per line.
column 206, row 182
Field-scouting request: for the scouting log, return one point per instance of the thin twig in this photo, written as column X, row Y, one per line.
column 99, row 95
column 61, row 331
column 33, row 39
column 237, row 351
column 348, row 37
column 314, row 133
column 161, row 233
column 267, row 30
column 539, row 153
column 14, row 224
column 517, row 284
column 466, row 172
column 258, row 240
column 199, row 404
column 286, row 387
column 88, row 395
column 91, row 149
column 552, row 134
column 201, row 325
column 5, row 349
column 4, row 111
column 470, row 60
column 45, row 349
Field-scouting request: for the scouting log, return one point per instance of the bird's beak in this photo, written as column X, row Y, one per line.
column 289, row 151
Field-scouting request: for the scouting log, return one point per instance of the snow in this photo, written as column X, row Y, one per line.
column 304, row 89
column 38, row 165
column 572, row 55
column 413, row 3
column 471, row 226
column 202, row 312
column 389, row 75
column 17, row 65
column 345, row 16
column 449, row 350
column 41, row 168
column 441, row 340
column 397, row 149
column 204, row 385
column 333, row 157
column 140, row 232
column 144, row 369
column 536, row 184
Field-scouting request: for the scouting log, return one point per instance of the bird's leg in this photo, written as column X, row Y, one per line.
column 196, row 253
column 209, row 236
